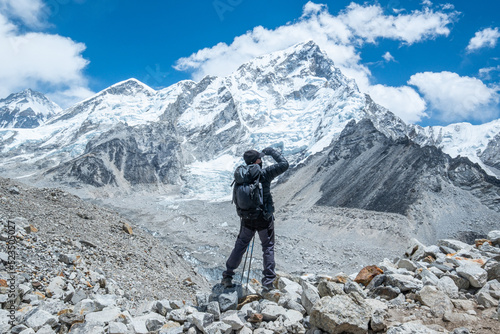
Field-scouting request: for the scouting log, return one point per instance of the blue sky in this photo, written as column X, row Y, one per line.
column 430, row 62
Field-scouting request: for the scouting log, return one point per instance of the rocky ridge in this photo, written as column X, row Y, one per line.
column 82, row 269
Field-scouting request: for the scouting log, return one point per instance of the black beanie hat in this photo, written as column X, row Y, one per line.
column 251, row 156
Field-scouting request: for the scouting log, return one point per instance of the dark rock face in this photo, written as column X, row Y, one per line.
column 146, row 154
column 491, row 155
column 365, row 169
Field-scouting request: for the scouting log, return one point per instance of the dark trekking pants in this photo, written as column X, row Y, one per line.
column 246, row 234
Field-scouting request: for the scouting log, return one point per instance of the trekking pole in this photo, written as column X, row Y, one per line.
column 250, row 263
column 244, row 265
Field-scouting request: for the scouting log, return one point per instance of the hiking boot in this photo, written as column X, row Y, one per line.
column 268, row 287
column 227, row 282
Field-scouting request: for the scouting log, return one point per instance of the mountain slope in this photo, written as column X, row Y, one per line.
column 364, row 169
column 26, row 109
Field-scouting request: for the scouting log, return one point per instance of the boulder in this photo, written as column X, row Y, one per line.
column 493, row 270
column 494, row 236
column 448, row 286
column 271, row 312
column 366, row 275
column 385, row 292
column 289, row 286
column 327, row 288
column 228, row 301
column 407, row 264
column 103, row 317
column 342, row 313
column 476, row 275
column 460, row 282
column 214, row 308
column 117, row 328
column 87, row 328
column 310, row 296
column 163, row 307
column 218, row 327
column 351, row 286
column 453, row 244
column 233, row 320
column 438, row 301
column 403, row 282
column 37, row 318
column 56, row 288
column 201, row 320
column 489, row 294
column 415, row 251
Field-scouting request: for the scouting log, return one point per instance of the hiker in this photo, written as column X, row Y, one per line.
column 260, row 220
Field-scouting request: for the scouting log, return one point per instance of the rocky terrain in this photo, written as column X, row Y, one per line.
column 80, row 268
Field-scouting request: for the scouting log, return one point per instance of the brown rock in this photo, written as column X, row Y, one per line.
column 255, row 317
column 3, row 283
column 480, row 242
column 127, row 228
column 366, row 274
column 30, row 229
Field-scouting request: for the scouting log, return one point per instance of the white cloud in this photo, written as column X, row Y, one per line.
column 403, row 101
column 488, row 73
column 485, row 38
column 30, row 12
column 50, row 63
column 388, row 57
column 457, row 98
column 340, row 36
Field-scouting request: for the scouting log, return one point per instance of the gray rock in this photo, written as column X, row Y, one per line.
column 38, row 318
column 459, row 318
column 438, row 301
column 342, row 313
column 214, row 308
column 410, row 327
column 228, row 301
column 271, row 312
column 493, row 269
column 56, row 288
column 163, row 307
column 385, row 292
column 47, row 329
column 351, row 286
column 85, row 306
column 476, row 275
column 448, row 286
column 26, row 331
column 87, row 328
column 379, row 311
column 461, row 330
column 415, row 251
column 289, row 286
column 218, row 327
column 489, row 294
column 453, row 244
column 403, row 282
column 201, row 320
column 494, row 236
column 327, row 288
column 67, row 258
column 117, row 328
column 78, row 296
column 460, row 282
column 233, row 320
column 18, row 329
column 464, row 304
column 103, row 317
column 407, row 264
column 310, row 296
column 292, row 302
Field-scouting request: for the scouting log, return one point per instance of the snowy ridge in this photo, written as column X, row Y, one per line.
column 26, row 109
column 460, row 139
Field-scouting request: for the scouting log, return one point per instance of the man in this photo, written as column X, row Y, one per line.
column 263, row 225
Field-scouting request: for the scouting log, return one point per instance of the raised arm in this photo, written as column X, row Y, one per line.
column 276, row 169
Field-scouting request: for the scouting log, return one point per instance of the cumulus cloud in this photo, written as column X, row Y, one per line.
column 403, row 101
column 455, row 97
column 29, row 12
column 50, row 63
column 341, row 36
column 485, row 38
column 388, row 57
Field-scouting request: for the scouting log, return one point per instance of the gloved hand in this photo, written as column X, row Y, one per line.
column 268, row 150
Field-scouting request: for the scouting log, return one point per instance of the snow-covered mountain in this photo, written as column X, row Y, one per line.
column 192, row 134
column 26, row 109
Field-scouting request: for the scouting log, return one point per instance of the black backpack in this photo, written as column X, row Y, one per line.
column 247, row 191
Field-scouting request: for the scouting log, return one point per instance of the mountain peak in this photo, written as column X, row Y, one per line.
column 128, row 87
column 26, row 109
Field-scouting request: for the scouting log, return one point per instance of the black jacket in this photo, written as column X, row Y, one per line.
column 267, row 175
